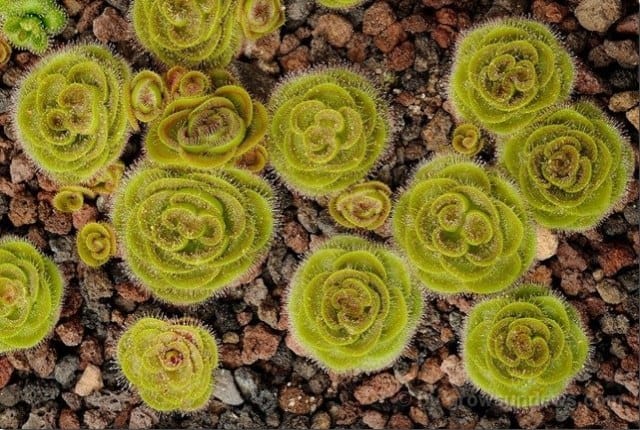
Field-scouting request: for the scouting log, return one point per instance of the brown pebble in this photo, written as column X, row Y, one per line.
column 23, row 209
column 345, row 414
column 399, row 421
column 379, row 387
column 111, row 27
column 42, row 359
column 88, row 15
column 550, row 12
column 390, row 37
column 336, row 29
column 377, row 17
column 443, row 35
column 296, row 401
column 419, row 416
column 54, row 221
column 430, row 371
column 374, row 419
column 230, row 356
column 447, row 16
column 133, row 292
column 90, row 353
column 629, row 25
column 357, row 48
column 402, row 56
column 586, row 81
column 258, row 343
column 70, row 332
column 297, row 59
column 6, row 370
column 529, row 418
column 296, row 237
column 613, row 257
column 414, row 24
column 448, row 396
column 68, row 420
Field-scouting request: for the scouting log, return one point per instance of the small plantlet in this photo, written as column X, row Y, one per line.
column 30, row 24
column 463, row 228
column 169, row 363
column 5, row 52
column 365, row 205
column 70, row 114
column 353, row 306
column 260, row 17
column 525, row 347
column 329, row 128
column 505, row 72
column 571, row 164
column 193, row 33
column 31, row 289
column 467, row 139
column 188, row 233
column 253, row 160
column 71, row 198
column 147, row 94
column 108, row 180
column 96, row 243
column 340, row 4
column 209, row 130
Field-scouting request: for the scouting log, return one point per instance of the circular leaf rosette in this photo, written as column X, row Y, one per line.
column 207, row 131
column 169, row 363
column 525, row 347
column 5, row 52
column 188, row 233
column 571, row 164
column 329, row 128
column 260, row 17
column 463, row 228
column 506, row 71
column 70, row 112
column 188, row 32
column 467, row 139
column 96, row 243
column 353, row 306
column 365, row 205
column 30, row 24
column 31, row 289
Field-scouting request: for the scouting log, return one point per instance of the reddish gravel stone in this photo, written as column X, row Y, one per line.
column 21, row 169
column 586, row 81
column 42, row 359
column 430, row 371
column 68, row 420
column 418, row 416
column 448, row 396
column 569, row 258
column 379, row 387
column 23, row 209
column 399, row 421
column 87, row 214
column 133, row 292
column 72, row 302
column 230, row 356
column 336, row 29
column 447, row 16
column 54, row 222
column 6, row 370
column 296, row 237
column 629, row 25
column 89, row 13
column 70, row 332
column 357, row 48
column 345, row 414
column 377, row 17
column 529, row 418
column 613, row 257
column 297, row 59
column 547, row 11
column 402, row 56
column 289, row 43
column 111, row 27
column 90, row 353
column 390, row 37
column 258, row 343
column 374, row 419
column 414, row 24
column 296, row 401
column 452, row 366
column 443, row 35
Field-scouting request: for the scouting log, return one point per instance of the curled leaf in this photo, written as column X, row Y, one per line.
column 71, row 198
column 96, row 243
column 29, row 24
column 253, row 160
column 365, row 205
column 467, row 139
column 260, row 17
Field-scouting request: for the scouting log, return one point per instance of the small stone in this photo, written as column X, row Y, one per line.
column 622, row 102
column 10, row 418
column 377, row 388
column 70, row 332
column 419, row 416
column 111, row 27
column 610, row 292
column 613, row 257
column 569, row 258
column 135, row 293
column 414, row 24
column 6, row 370
column 295, row 237
column 402, row 56
column 390, row 37
column 23, row 209
column 54, row 222
column 86, row 214
column 298, row 59
column 598, row 15
column 90, row 381
column 546, row 243
column 374, row 419
column 258, row 343
column 625, row 52
column 377, row 17
column 336, row 29
column 530, row 418
column 399, row 421
column 357, row 48
column 452, row 366
column 321, row 421
column 43, row 417
column 42, row 359
column 624, row 411
column 628, row 379
column 264, row 48
column 430, row 371
column 95, row 419
column 586, row 81
column 444, row 36
column 618, row 324
column 65, row 371
column 225, row 388
column 143, row 418
column 68, row 420
column 550, row 12
column 296, row 401
column 633, row 116
column 448, row 396
column 21, row 169
column 629, row 25
column 436, row 132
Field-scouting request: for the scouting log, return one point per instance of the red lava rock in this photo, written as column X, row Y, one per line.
column 629, row 25
column 437, row 4
column 296, row 237
column 447, row 16
column 606, row 371
column 390, row 37
column 297, row 59
column 595, row 307
column 72, row 302
column 85, row 215
column 6, row 370
column 452, row 366
column 90, row 353
column 399, row 421
column 244, row 318
column 443, row 35
column 258, row 343
column 296, row 401
column 70, row 332
column 586, row 81
column 95, row 419
column 266, row 47
column 448, row 396
column 572, row 282
column 379, row 387
column 36, row 236
column 548, row 11
column 414, row 24
column 42, row 359
column 111, row 27
column 294, row 346
column 21, row 169
column 623, row 410
column 230, row 356
column 345, row 414
column 374, row 419
column 529, row 418
column 357, row 48
column 402, row 56
column 133, row 292
column 628, row 379
column 629, row 363
column 89, row 13
column 407, row 375
column 377, row 17
column 539, row 275
column 288, row 44
column 336, row 29
column 68, row 420
column 419, row 416
column 18, row 360
column 570, row 258
column 23, row 209
column 613, row 257
column 430, row 371
column 54, row 222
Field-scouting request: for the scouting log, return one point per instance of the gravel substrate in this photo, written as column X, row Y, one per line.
column 71, row 380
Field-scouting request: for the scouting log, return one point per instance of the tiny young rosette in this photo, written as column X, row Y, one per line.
column 260, row 17
column 365, row 205
column 70, row 113
column 571, row 164
column 467, row 139
column 96, row 243
column 463, row 228
column 329, row 127
column 353, row 306
column 340, row 4
column 31, row 290
column 71, row 198
column 169, row 363
column 188, row 233
column 30, row 24
column 506, row 71
column 525, row 347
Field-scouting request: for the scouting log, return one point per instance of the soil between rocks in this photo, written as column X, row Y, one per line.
column 71, row 381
